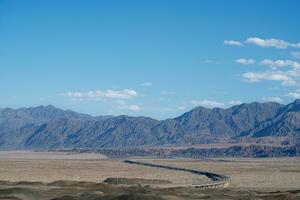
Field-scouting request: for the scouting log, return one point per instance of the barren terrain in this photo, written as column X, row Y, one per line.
column 49, row 167
column 248, row 173
column 48, row 175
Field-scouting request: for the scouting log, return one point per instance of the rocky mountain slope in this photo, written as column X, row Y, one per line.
column 285, row 123
column 47, row 127
column 202, row 125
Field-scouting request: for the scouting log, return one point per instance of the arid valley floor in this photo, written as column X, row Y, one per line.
column 57, row 175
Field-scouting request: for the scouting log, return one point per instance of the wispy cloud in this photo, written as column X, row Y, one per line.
column 214, row 104
column 295, row 94
column 182, row 108
column 280, row 63
column 245, row 61
column 163, row 99
column 210, row 61
column 132, row 107
column 123, row 105
column 234, row 102
column 167, row 92
column 272, row 99
column 146, row 84
column 233, row 43
column 208, row 103
column 276, row 43
column 100, row 94
column 285, row 78
column 295, row 55
column 287, row 72
column 284, row 71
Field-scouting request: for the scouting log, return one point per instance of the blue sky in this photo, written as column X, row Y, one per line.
column 153, row 58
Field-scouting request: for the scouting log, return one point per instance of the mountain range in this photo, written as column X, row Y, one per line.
column 47, row 127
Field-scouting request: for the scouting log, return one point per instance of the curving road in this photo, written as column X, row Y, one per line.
column 218, row 180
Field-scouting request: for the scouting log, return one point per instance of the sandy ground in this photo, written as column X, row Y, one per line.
column 262, row 179
column 48, row 167
column 31, row 155
column 246, row 173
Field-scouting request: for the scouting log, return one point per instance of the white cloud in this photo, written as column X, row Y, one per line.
column 286, row 78
column 233, row 43
column 129, row 107
column 215, row 104
column 272, row 99
column 122, row 105
column 244, row 61
column 276, row 43
column 295, row 95
column 287, row 72
column 208, row 103
column 234, row 102
column 163, row 99
column 146, row 84
column 296, row 45
column 182, row 108
column 280, row 63
column 134, row 107
column 99, row 94
column 295, row 55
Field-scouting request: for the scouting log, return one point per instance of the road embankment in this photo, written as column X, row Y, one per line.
column 218, row 180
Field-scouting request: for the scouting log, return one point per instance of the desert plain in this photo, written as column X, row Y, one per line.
column 30, row 175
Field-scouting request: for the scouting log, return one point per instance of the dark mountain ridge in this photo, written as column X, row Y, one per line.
column 285, row 123
column 46, row 127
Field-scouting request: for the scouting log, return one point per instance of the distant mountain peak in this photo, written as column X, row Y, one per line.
column 46, row 107
column 51, row 127
column 296, row 102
